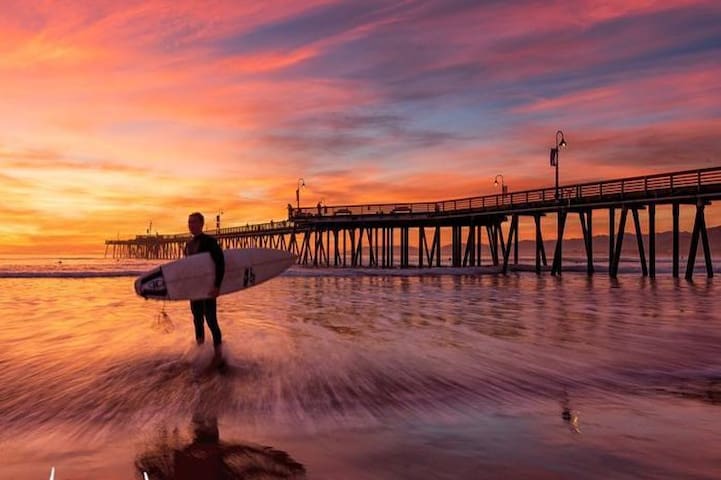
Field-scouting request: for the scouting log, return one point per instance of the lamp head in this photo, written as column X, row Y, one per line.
column 495, row 183
column 563, row 143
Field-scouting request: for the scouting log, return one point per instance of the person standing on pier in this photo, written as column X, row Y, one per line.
column 205, row 310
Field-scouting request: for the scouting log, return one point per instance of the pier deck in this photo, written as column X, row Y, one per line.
column 379, row 235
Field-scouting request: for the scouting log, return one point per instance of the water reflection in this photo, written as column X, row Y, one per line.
column 207, row 457
column 333, row 353
column 172, row 457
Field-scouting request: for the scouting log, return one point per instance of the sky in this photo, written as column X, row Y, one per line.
column 116, row 114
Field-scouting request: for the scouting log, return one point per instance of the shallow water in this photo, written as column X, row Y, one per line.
column 358, row 376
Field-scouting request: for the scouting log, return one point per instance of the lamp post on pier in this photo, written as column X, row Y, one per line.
column 504, row 187
column 301, row 183
column 560, row 143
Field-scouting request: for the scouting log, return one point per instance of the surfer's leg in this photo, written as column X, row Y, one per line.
column 211, row 317
column 198, row 308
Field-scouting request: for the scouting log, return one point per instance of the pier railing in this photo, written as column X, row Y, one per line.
column 358, row 235
column 608, row 190
column 249, row 229
column 612, row 190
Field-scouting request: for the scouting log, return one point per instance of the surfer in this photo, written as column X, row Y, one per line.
column 206, row 309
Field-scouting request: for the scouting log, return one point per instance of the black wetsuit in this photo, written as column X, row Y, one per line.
column 207, row 308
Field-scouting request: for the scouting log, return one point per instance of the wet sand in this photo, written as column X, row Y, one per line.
column 361, row 377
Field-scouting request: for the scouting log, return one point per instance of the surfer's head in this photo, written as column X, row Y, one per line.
column 195, row 222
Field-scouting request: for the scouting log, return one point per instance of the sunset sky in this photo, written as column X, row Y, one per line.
column 120, row 113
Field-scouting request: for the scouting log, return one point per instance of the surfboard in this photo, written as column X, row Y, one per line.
column 191, row 278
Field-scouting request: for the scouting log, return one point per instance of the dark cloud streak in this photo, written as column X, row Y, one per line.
column 316, row 24
column 344, row 133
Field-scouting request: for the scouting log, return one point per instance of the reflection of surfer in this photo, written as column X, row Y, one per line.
column 207, row 457
column 206, row 307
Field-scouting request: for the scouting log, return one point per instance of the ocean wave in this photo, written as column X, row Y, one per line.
column 73, row 274
column 662, row 269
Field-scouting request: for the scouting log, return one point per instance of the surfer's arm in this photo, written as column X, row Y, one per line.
column 216, row 253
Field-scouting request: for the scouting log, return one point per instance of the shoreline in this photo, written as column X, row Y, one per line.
column 299, row 271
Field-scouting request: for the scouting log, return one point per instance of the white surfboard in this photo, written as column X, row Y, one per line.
column 191, row 278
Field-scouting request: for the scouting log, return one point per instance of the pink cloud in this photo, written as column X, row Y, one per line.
column 423, row 101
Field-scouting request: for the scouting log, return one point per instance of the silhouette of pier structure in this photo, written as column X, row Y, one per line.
column 379, row 235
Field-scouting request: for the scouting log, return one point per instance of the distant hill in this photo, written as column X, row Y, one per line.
column 664, row 244
column 573, row 247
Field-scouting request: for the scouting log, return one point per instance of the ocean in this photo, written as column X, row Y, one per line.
column 360, row 374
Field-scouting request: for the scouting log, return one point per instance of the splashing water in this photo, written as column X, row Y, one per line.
column 449, row 373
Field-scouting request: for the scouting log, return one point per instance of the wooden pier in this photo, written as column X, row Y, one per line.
column 385, row 235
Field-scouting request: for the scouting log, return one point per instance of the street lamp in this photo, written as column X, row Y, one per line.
column 301, row 183
column 560, row 143
column 504, row 187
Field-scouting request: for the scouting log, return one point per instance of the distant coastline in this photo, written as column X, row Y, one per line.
column 526, row 248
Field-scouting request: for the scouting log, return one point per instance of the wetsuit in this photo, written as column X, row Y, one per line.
column 207, row 308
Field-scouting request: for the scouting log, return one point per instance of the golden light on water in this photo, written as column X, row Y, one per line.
column 436, row 370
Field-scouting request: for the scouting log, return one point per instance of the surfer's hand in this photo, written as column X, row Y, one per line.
column 214, row 292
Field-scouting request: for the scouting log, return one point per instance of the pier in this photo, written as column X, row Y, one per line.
column 384, row 235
